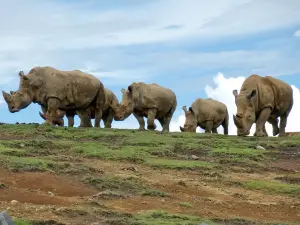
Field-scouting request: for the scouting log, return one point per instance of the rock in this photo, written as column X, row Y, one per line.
column 182, row 183
column 13, row 202
column 5, row 219
column 132, row 168
column 22, row 145
column 260, row 147
column 50, row 193
column 194, row 157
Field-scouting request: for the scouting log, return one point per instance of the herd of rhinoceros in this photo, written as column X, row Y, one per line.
column 67, row 93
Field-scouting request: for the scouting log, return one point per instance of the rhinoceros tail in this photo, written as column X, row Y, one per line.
column 225, row 123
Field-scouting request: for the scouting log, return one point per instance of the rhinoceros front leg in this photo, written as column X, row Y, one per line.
column 209, row 126
column 108, row 119
column 85, row 118
column 52, row 107
column 150, row 119
column 141, row 121
column 98, row 117
column 265, row 131
column 261, row 121
column 214, row 131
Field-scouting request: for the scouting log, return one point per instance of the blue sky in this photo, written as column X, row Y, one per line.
column 197, row 48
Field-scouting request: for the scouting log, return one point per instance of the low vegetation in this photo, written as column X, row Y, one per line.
column 81, row 176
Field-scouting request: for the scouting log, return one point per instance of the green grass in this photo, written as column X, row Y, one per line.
column 238, row 151
column 273, row 187
column 185, row 205
column 27, row 163
column 177, row 164
column 155, row 193
column 21, row 222
column 164, row 218
column 129, row 185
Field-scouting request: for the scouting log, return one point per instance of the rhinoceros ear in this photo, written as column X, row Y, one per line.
column 123, row 90
column 235, row 93
column 184, row 109
column 130, row 88
column 252, row 94
column 191, row 110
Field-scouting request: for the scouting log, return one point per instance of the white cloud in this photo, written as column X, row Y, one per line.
column 223, row 92
column 297, row 33
column 63, row 28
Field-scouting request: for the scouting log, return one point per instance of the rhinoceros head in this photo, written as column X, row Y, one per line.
column 245, row 116
column 59, row 121
column 20, row 99
column 125, row 108
column 190, row 124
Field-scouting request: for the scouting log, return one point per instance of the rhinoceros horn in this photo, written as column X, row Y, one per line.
column 6, row 96
column 42, row 115
column 181, row 128
column 234, row 119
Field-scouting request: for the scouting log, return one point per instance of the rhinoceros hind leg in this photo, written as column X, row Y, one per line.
column 283, row 121
column 150, row 119
column 274, row 121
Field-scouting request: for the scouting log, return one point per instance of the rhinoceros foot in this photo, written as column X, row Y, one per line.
column 260, row 134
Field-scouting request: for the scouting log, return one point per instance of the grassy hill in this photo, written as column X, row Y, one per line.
column 120, row 177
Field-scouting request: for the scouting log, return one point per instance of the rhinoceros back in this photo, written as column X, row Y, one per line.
column 74, row 88
column 283, row 95
column 155, row 96
column 209, row 109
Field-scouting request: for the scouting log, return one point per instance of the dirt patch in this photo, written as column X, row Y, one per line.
column 289, row 180
column 286, row 165
column 41, row 188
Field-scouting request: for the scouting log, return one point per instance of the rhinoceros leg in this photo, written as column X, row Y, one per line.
column 214, row 131
column 108, row 119
column 98, row 117
column 167, row 118
column 261, row 121
column 265, row 131
column 282, row 125
column 85, row 119
column 150, row 119
column 225, row 126
column 53, row 104
column 162, row 122
column 140, row 119
column 209, row 126
column 70, row 121
column 274, row 121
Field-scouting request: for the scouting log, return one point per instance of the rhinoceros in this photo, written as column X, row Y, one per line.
column 262, row 99
column 147, row 100
column 107, row 115
column 208, row 114
column 56, row 89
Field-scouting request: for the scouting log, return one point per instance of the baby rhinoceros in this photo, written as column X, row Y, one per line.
column 208, row 114
column 147, row 100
